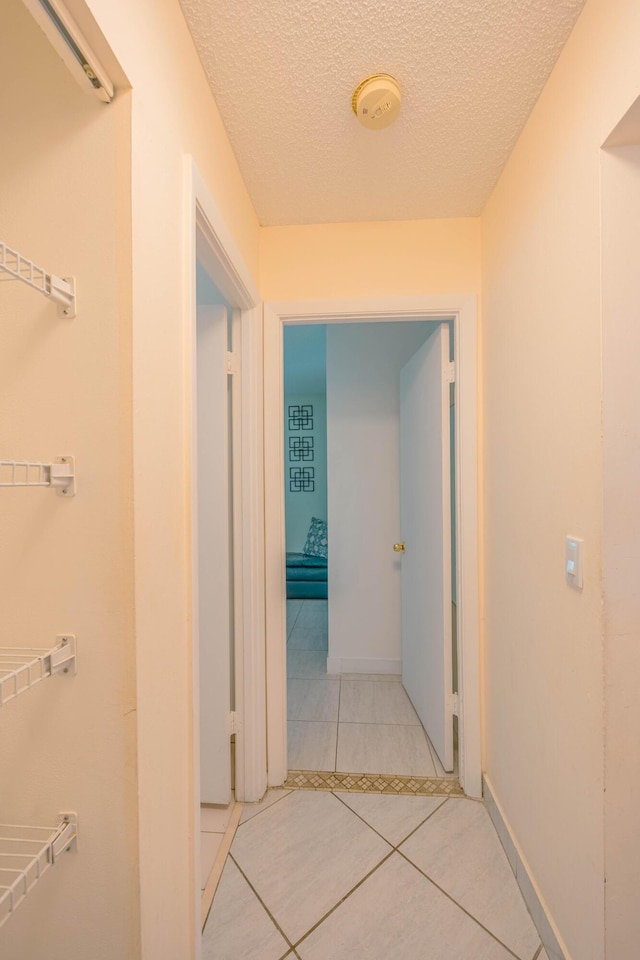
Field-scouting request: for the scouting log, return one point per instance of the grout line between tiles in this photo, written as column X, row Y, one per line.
column 258, row 812
column 346, row 897
column 366, row 822
column 385, row 723
column 459, row 905
column 265, row 907
column 312, row 721
column 293, row 625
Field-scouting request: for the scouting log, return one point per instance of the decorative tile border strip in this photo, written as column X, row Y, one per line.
column 373, row 783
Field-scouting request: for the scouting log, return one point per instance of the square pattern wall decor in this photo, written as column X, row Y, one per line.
column 301, row 416
column 301, row 450
column 302, row 479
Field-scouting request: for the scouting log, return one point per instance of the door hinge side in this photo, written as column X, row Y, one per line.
column 232, row 364
column 455, row 704
column 451, row 372
column 234, row 723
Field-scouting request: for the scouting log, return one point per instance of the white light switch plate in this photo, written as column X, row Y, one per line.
column 573, row 561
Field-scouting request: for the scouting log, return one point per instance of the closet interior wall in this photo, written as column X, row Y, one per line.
column 67, row 563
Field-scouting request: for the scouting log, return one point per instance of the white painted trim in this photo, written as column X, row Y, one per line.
column 192, row 562
column 233, row 278
column 251, row 766
column 225, row 264
column 463, row 310
column 355, row 665
column 547, row 930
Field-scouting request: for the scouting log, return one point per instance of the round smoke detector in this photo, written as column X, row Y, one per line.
column 376, row 101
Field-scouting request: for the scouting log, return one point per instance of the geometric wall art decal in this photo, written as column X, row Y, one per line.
column 300, row 448
column 301, row 416
column 302, row 479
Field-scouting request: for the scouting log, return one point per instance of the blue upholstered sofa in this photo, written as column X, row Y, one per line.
column 306, row 577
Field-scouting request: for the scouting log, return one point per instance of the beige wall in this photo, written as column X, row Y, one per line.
column 544, row 729
column 173, row 116
column 621, row 395
column 67, row 565
column 370, row 259
column 544, row 718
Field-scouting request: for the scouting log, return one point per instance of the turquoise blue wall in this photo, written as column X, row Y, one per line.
column 304, row 386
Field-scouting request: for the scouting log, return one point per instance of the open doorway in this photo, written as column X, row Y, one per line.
column 345, row 455
column 226, row 512
column 461, row 311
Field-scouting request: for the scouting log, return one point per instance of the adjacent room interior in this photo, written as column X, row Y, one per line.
column 348, row 710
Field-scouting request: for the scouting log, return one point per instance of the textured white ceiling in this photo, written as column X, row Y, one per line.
column 283, row 73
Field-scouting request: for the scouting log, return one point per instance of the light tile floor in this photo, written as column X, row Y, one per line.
column 331, row 876
column 351, row 723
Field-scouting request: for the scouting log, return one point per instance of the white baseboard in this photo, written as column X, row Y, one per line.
column 356, row 665
column 547, row 931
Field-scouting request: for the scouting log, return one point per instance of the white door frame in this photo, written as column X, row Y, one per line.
column 224, row 263
column 463, row 311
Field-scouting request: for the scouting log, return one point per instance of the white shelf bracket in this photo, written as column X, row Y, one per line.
column 23, row 668
column 66, row 836
column 60, row 474
column 62, row 290
column 63, row 655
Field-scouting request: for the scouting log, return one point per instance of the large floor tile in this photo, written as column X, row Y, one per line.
column 293, row 610
column 311, row 630
column 384, row 748
column 311, row 745
column 367, row 701
column 315, row 613
column 460, row 850
column 393, row 817
column 398, row 915
column 303, row 855
column 312, row 699
column 310, row 664
column 272, row 796
column 307, row 639
column 239, row 928
column 440, row 771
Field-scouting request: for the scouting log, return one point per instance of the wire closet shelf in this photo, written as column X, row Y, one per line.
column 59, row 474
column 26, row 853
column 21, row 668
column 62, row 290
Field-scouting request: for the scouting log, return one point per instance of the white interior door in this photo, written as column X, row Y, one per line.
column 425, row 516
column 213, row 554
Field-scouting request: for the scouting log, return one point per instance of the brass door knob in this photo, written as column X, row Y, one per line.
column 399, row 547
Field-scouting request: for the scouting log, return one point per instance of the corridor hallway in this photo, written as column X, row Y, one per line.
column 350, row 723
column 317, row 875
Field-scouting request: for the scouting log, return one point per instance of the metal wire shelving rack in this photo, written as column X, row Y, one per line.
column 61, row 290
column 21, row 668
column 26, row 853
column 59, row 474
